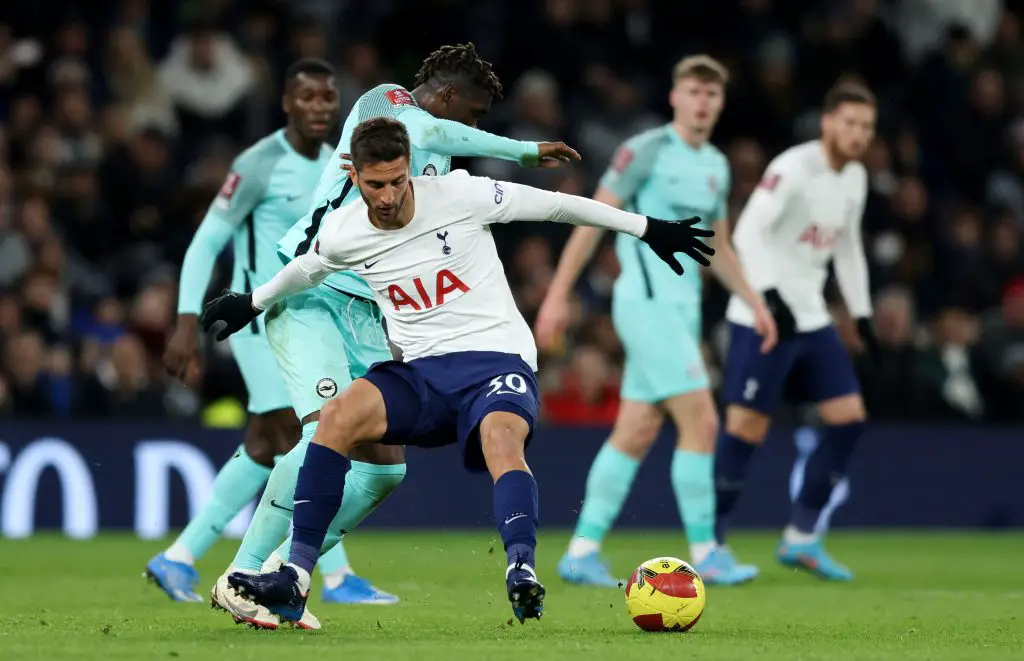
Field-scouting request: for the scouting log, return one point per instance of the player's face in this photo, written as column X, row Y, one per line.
column 312, row 105
column 384, row 187
column 697, row 103
column 850, row 129
column 465, row 107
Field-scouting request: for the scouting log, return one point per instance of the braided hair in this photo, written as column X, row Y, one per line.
column 459, row 62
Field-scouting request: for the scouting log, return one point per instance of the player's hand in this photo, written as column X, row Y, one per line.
column 346, row 163
column 785, row 322
column 553, row 155
column 667, row 238
column 868, row 339
column 764, row 325
column 181, row 357
column 552, row 320
column 234, row 309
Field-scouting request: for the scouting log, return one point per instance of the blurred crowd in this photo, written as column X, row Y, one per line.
column 119, row 121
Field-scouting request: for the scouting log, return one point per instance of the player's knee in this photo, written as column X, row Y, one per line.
column 701, row 431
column 746, row 424
column 259, row 442
column 636, row 429
column 503, row 438
column 843, row 410
column 355, row 418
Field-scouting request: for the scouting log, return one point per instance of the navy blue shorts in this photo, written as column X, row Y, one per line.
column 816, row 364
column 440, row 400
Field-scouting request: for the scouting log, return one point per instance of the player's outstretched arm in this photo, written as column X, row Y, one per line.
column 553, row 316
column 237, row 311
column 443, row 136
column 665, row 238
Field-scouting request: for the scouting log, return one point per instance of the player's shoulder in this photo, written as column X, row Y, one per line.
column 260, row 159
column 448, row 186
column 649, row 141
column 800, row 160
column 386, row 98
column 715, row 156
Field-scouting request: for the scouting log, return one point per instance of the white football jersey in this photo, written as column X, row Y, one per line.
column 802, row 215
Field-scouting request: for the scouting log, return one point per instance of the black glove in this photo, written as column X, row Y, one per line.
column 867, row 337
column 785, row 322
column 666, row 238
column 234, row 309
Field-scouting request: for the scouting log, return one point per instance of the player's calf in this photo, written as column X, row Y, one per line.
column 502, row 441
column 745, row 430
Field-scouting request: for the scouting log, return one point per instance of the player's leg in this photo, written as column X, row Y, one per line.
column 495, row 424
column 828, row 373
column 636, row 427
column 242, row 477
column 308, row 326
column 753, row 388
column 608, row 485
column 396, row 402
column 806, row 440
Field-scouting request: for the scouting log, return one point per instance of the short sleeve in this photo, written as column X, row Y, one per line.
column 630, row 166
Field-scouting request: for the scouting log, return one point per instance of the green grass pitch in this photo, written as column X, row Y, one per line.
column 929, row 596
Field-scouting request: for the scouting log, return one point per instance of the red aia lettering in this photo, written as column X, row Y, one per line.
column 819, row 239
column 445, row 283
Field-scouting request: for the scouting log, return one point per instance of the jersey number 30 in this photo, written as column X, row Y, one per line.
column 510, row 384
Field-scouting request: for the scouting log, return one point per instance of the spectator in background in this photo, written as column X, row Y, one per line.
column 892, row 386
column 952, row 370
column 133, row 81
column 25, row 376
column 1002, row 353
column 587, row 394
column 121, row 385
column 207, row 78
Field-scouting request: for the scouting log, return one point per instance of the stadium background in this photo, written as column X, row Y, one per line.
column 109, row 158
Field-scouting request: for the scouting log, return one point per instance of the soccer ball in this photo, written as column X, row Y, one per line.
column 665, row 594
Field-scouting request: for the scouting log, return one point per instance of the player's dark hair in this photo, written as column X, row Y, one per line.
column 459, row 63
column 309, row 66
column 848, row 92
column 379, row 140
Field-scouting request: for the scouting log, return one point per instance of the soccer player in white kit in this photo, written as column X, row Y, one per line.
column 424, row 246
column 805, row 213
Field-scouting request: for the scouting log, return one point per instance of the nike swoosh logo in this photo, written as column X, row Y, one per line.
column 513, row 518
column 292, row 198
column 370, row 265
column 273, row 503
column 299, row 502
column 507, row 392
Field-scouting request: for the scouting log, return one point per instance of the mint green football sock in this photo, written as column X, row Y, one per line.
column 694, row 486
column 366, row 486
column 273, row 518
column 237, row 483
column 608, row 484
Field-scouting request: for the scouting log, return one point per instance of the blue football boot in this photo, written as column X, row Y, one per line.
column 812, row 557
column 719, row 567
column 177, row 579
column 357, row 590
column 525, row 592
column 587, row 569
column 279, row 591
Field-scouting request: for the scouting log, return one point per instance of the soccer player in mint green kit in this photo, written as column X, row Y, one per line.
column 668, row 172
column 337, row 323
column 270, row 184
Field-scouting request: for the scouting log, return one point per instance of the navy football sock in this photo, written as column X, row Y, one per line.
column 317, row 499
column 515, row 513
column 824, row 469
column 731, row 458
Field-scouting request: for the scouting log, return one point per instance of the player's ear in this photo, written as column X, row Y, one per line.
column 286, row 104
column 353, row 176
column 447, row 93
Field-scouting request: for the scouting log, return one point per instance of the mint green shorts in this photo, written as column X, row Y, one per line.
column 255, row 359
column 323, row 339
column 662, row 345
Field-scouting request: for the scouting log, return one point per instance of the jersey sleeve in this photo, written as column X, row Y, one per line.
column 492, row 201
column 238, row 197
column 630, row 166
column 849, row 260
column 441, row 136
column 759, row 218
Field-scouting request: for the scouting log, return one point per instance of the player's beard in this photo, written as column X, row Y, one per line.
column 391, row 219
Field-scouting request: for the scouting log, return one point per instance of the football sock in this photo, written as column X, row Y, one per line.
column 693, row 484
column 318, row 496
column 731, row 458
column 273, row 515
column 366, row 487
column 824, row 469
column 610, row 479
column 236, row 485
column 515, row 513
column 806, row 442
